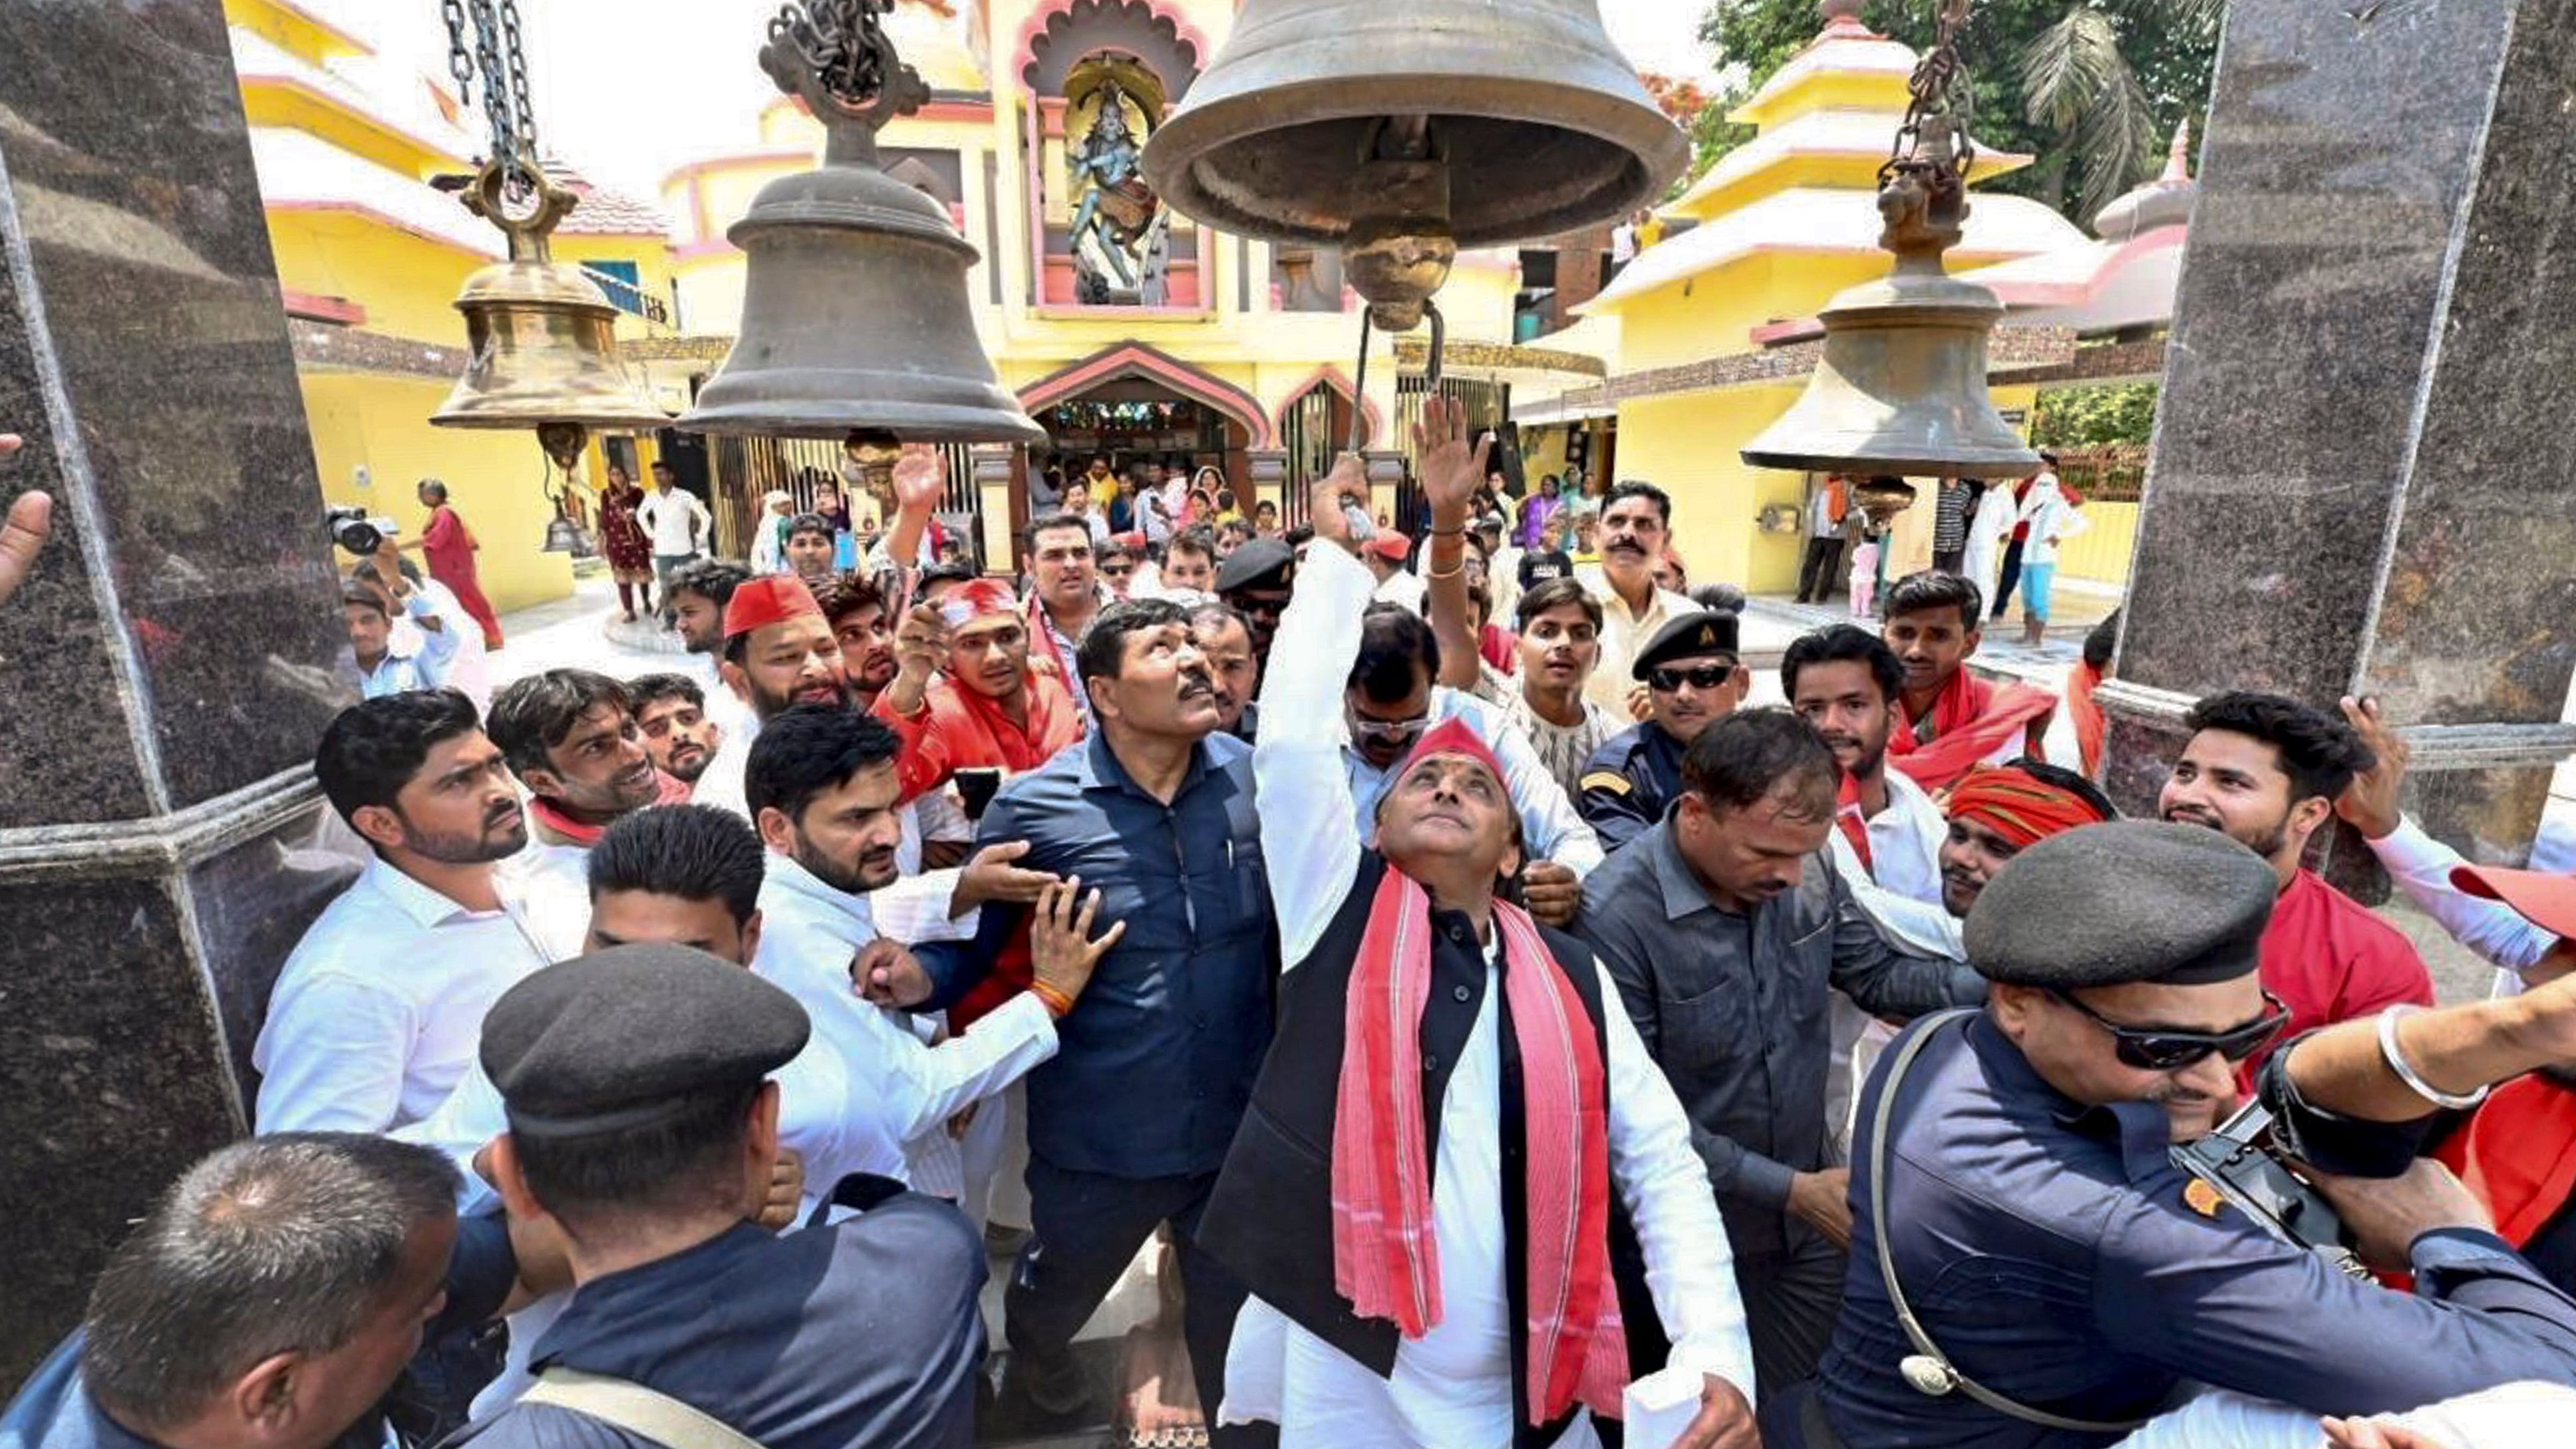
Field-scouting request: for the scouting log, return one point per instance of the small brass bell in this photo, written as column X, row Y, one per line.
column 1402, row 132
column 1901, row 388
column 541, row 336
column 855, row 312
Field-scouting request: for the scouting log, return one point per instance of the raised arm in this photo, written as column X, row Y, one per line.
column 1307, row 844
column 1451, row 473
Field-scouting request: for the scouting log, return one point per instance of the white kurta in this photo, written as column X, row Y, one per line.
column 1451, row 1388
column 1987, row 530
column 1901, row 891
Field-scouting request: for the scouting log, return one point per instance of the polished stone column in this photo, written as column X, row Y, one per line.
column 2362, row 457
column 166, row 670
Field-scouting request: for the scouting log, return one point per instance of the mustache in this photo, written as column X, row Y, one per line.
column 502, row 815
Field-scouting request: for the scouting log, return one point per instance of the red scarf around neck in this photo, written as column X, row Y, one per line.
column 551, row 816
column 1852, row 819
column 1971, row 720
column 1386, row 1256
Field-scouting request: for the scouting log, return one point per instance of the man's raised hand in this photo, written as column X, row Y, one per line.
column 1450, row 470
column 1324, row 499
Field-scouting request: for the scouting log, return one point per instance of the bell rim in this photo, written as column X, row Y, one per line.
column 1982, row 465
column 1195, row 129
column 602, row 419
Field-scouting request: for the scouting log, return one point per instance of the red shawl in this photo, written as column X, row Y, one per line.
column 2518, row 1154
column 1386, row 1256
column 960, row 728
column 558, row 825
column 1971, row 721
column 2089, row 724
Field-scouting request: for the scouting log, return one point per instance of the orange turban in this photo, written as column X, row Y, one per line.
column 2018, row 805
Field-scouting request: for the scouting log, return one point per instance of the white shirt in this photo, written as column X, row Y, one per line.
column 809, row 934
column 1402, row 587
column 1623, row 632
column 2052, row 520
column 673, row 520
column 1452, row 1388
column 2422, row 868
column 1548, row 819
column 379, row 1010
column 415, row 658
column 469, row 668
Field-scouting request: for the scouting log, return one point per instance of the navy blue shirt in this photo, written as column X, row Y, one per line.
column 1157, row 1058
column 1630, row 780
column 862, row 1333
column 2048, row 1250
column 55, row 1410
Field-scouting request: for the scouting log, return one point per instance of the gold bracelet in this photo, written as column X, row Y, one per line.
column 1056, row 1002
column 1434, row 575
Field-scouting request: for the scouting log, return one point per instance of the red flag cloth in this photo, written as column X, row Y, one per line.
column 769, row 599
column 2518, row 1154
column 1853, row 821
column 554, row 822
column 1972, row 720
column 960, row 728
column 1386, row 1256
column 2018, row 805
column 2090, row 727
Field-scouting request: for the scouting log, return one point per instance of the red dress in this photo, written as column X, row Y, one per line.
column 630, row 553
column 449, row 545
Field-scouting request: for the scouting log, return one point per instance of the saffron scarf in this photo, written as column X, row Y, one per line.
column 1970, row 722
column 1386, row 1255
column 2090, row 727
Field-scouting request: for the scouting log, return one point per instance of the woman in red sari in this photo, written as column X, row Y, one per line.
column 449, row 546
column 630, row 554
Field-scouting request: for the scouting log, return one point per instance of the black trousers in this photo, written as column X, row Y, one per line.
column 1088, row 1228
column 1791, row 1301
column 2010, row 576
column 1947, row 560
column 1816, row 575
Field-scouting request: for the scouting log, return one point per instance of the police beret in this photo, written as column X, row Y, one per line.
column 621, row 1038
column 1252, row 565
column 1708, row 631
column 2133, row 900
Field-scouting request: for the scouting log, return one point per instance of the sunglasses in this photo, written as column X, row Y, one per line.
column 1386, row 731
column 1698, row 676
column 1116, row 571
column 2155, row 1049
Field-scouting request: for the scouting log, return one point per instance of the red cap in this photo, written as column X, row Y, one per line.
column 1132, row 539
column 1386, row 543
column 2544, row 898
column 1454, row 736
column 770, row 599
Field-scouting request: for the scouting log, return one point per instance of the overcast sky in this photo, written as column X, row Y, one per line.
column 629, row 89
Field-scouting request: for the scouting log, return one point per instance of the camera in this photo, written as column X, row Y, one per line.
column 2240, row 1162
column 351, row 528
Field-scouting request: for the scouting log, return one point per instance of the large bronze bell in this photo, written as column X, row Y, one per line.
column 1901, row 388
column 855, row 314
column 1402, row 132
column 541, row 336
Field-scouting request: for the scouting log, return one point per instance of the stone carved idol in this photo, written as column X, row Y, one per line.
column 1115, row 220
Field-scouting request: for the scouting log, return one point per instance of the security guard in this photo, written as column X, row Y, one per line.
column 1694, row 678
column 2029, row 1268
column 643, row 1123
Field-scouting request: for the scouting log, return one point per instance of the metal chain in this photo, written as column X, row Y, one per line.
column 496, row 79
column 1939, row 87
column 460, row 61
column 840, row 41
column 522, row 102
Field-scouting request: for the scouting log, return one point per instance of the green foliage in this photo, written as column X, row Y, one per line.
column 2083, row 417
column 2091, row 88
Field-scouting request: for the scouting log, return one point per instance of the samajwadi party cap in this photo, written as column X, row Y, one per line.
column 2544, row 898
column 2133, row 900
column 769, row 599
column 624, row 1038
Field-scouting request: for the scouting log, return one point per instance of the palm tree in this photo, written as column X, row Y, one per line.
column 2079, row 85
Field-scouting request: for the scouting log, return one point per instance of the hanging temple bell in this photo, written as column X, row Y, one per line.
column 856, row 320
column 1402, row 132
column 541, row 337
column 1901, row 388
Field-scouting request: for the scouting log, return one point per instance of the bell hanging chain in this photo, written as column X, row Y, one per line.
column 841, row 42
column 498, row 53
column 1938, row 87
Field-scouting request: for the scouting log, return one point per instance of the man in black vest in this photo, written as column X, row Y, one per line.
column 1420, row 1198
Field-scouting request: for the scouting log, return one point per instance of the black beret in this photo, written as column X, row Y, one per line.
column 1252, row 565
column 1708, row 631
column 621, row 1038
column 2132, row 900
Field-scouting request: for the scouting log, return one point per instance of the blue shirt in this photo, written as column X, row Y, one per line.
column 862, row 1333
column 2048, row 1250
column 55, row 1410
column 1155, row 1064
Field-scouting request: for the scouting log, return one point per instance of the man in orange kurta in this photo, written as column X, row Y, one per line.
column 988, row 711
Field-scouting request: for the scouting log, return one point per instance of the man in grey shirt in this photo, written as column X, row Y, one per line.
column 1723, row 927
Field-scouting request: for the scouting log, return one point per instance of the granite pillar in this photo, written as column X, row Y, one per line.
column 168, row 666
column 2361, row 464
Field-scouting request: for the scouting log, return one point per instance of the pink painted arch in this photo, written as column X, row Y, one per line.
column 1135, row 359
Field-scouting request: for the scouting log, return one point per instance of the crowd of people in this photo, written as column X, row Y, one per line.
column 1497, row 1020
